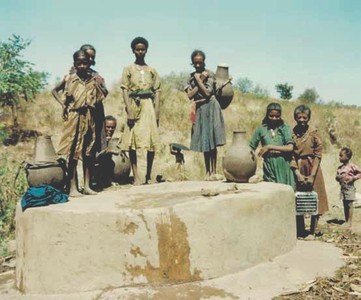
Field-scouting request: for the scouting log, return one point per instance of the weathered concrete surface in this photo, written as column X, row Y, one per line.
column 286, row 273
column 157, row 234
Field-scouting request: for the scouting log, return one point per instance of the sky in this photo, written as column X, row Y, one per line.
column 306, row 43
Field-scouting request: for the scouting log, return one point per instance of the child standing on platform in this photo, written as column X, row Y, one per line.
column 347, row 174
column 82, row 93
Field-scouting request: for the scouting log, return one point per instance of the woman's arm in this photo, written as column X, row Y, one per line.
column 127, row 102
column 191, row 92
column 281, row 149
column 157, row 105
column 55, row 92
column 317, row 152
column 316, row 164
column 101, row 85
column 204, row 89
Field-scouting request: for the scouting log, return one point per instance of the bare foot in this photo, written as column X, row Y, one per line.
column 137, row 181
column 75, row 194
column 89, row 191
column 147, row 180
column 346, row 225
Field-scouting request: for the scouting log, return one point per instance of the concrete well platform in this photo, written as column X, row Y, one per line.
column 158, row 234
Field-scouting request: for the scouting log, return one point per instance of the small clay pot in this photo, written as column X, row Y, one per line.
column 224, row 91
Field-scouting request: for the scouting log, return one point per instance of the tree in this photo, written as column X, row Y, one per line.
column 309, row 96
column 18, row 79
column 284, row 90
column 176, row 81
column 260, row 92
column 244, row 84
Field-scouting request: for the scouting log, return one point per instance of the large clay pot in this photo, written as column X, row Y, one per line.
column 45, row 167
column 239, row 163
column 49, row 173
column 44, row 149
column 121, row 163
column 224, row 90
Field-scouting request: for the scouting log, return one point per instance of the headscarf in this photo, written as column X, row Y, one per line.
column 270, row 107
column 302, row 109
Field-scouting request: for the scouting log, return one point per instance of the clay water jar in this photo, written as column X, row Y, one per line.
column 224, row 90
column 44, row 149
column 45, row 167
column 239, row 163
column 121, row 170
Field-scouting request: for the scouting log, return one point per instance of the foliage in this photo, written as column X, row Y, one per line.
column 309, row 96
column 260, row 92
column 18, row 79
column 244, row 85
column 9, row 194
column 176, row 81
column 285, row 90
column 3, row 132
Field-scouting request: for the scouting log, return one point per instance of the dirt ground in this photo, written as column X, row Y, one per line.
column 346, row 284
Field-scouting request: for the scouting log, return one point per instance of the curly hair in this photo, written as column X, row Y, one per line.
column 347, row 151
column 80, row 53
column 139, row 40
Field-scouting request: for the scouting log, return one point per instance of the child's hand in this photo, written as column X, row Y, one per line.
column 349, row 179
column 130, row 118
column 300, row 178
column 263, row 150
column 339, row 177
column 65, row 114
column 204, row 75
column 310, row 180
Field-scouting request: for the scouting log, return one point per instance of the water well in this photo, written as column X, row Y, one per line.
column 164, row 233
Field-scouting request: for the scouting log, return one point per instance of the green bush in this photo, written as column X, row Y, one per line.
column 9, row 195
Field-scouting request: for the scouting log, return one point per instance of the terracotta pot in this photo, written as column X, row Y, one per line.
column 224, row 91
column 239, row 164
column 121, row 163
column 45, row 167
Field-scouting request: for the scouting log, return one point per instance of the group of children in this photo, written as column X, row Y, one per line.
column 293, row 158
column 290, row 157
column 81, row 94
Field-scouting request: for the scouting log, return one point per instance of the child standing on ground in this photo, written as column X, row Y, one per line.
column 347, row 174
column 307, row 155
column 277, row 146
column 82, row 93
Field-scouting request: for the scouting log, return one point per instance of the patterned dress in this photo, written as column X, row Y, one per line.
column 276, row 167
column 208, row 131
column 307, row 147
column 141, row 83
column 80, row 98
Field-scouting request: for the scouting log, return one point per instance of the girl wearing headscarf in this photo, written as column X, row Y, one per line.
column 277, row 146
column 306, row 164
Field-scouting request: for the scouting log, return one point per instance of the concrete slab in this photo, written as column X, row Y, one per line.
column 158, row 234
column 288, row 272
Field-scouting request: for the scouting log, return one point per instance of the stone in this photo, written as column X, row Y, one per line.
column 152, row 235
